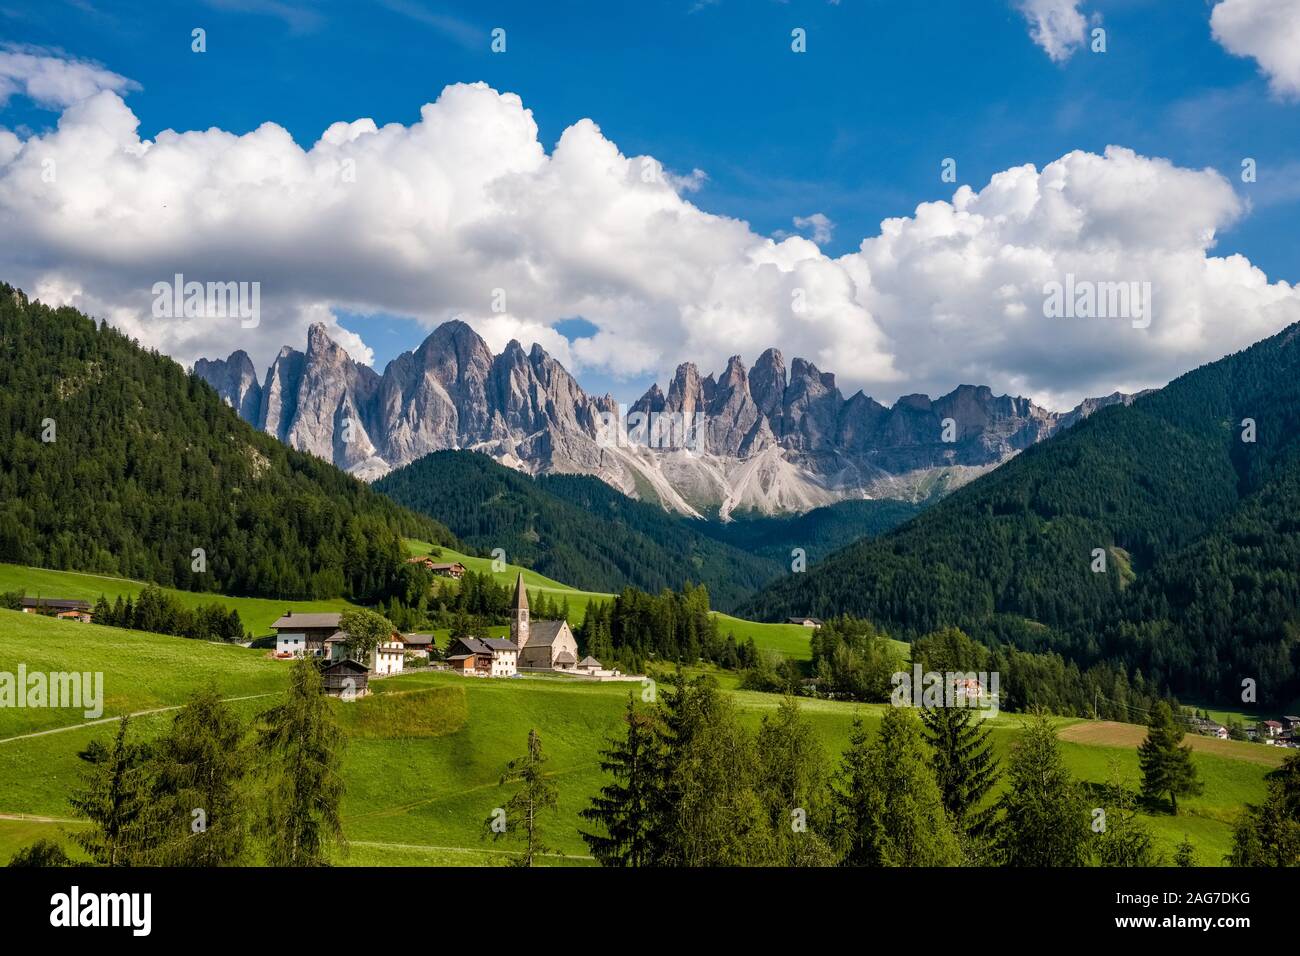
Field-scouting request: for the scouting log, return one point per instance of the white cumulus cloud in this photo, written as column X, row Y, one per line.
column 51, row 80
column 1055, row 25
column 1269, row 32
column 464, row 213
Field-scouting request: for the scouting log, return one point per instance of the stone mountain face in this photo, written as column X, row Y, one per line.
column 756, row 439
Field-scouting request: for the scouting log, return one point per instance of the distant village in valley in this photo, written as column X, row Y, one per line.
column 538, row 647
column 534, row 647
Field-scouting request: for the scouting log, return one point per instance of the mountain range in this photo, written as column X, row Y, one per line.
column 766, row 440
column 1162, row 537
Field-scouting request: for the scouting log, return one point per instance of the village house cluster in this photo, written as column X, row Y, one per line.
column 533, row 647
column 1273, row 733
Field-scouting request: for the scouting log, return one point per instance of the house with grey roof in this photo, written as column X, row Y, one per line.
column 305, row 635
column 319, row 635
column 483, row 656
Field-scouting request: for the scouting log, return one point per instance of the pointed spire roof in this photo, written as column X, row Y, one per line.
column 521, row 595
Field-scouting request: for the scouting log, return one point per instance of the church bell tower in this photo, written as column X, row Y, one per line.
column 519, row 624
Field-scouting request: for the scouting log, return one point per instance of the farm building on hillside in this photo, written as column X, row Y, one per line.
column 345, row 678
column 543, row 645
column 469, row 664
column 304, row 635
column 804, row 621
column 442, row 569
column 318, row 635
column 64, row 608
column 388, row 658
column 418, row 644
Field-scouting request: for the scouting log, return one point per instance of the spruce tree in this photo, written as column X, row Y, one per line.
column 529, row 802
column 103, row 614
column 1167, row 768
column 625, row 808
column 115, row 798
column 201, row 764
column 793, row 781
column 709, row 814
column 851, row 809
column 900, row 819
column 1044, row 817
column 1268, row 834
column 1185, row 855
column 1123, row 840
column 965, row 765
column 303, row 745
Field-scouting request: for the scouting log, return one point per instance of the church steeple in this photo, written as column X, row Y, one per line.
column 519, row 623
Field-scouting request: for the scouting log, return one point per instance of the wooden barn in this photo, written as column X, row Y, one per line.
column 347, row 679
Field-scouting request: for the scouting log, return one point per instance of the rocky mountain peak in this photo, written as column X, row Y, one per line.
column 767, row 440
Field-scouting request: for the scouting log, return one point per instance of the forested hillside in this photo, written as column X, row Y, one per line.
column 1200, row 527
column 574, row 528
column 818, row 532
column 114, row 459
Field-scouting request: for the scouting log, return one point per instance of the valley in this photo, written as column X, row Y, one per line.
column 423, row 775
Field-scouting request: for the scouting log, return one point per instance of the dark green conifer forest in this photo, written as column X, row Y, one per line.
column 113, row 459
column 1197, row 526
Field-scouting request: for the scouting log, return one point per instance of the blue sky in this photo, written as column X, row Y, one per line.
column 855, row 129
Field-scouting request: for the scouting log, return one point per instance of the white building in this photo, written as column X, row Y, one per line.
column 505, row 656
column 304, row 634
column 388, row 658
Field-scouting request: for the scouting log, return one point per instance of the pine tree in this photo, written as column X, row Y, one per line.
column 1044, row 817
column 304, row 745
column 852, row 807
column 1166, row 767
column 897, row 809
column 115, row 799
column 529, row 802
column 710, row 814
column 1123, row 840
column 201, row 764
column 1185, row 855
column 625, row 807
column 793, row 783
column 965, row 765
column 1268, row 834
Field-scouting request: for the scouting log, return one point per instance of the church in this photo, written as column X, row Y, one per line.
column 543, row 645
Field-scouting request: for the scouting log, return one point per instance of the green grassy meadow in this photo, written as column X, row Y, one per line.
column 426, row 749
column 256, row 613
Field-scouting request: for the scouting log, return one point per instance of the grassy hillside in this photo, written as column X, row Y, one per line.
column 426, row 750
column 141, row 672
column 256, row 613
